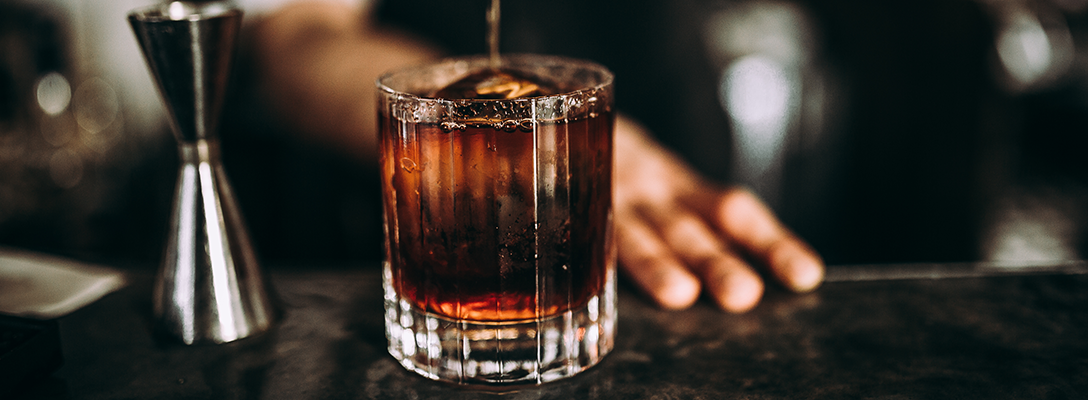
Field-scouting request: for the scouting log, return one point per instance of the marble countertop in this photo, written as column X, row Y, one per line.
column 974, row 335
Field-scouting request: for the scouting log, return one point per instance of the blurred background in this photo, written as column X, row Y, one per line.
column 934, row 130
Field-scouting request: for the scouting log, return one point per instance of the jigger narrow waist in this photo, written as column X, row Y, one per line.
column 199, row 151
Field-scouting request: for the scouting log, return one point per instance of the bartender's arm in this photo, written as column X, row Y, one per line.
column 678, row 236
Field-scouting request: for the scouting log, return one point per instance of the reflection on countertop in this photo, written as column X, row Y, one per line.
column 887, row 272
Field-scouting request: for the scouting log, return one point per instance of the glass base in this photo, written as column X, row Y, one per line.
column 500, row 354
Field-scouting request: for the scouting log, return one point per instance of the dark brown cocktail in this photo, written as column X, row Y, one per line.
column 500, row 266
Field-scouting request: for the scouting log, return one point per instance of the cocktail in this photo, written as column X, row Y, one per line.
column 500, row 266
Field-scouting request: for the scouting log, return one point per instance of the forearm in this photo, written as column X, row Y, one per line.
column 317, row 63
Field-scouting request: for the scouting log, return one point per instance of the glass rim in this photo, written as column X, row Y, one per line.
column 474, row 63
column 183, row 11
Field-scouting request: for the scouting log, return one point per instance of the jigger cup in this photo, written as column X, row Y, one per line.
column 210, row 288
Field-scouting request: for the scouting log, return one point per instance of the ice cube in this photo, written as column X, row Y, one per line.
column 497, row 84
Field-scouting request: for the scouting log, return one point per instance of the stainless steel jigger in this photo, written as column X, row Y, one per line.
column 210, row 287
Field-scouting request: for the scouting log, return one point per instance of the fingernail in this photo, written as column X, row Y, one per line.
column 677, row 290
column 740, row 293
column 806, row 274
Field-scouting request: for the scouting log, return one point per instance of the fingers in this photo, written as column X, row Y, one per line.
column 795, row 265
column 751, row 225
column 727, row 279
column 675, row 234
column 652, row 266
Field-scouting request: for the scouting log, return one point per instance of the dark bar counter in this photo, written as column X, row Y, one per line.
column 922, row 331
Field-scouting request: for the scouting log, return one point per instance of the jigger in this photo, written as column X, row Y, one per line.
column 210, row 288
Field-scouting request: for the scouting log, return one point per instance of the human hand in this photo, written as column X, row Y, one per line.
column 678, row 235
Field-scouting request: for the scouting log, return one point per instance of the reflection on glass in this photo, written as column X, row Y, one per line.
column 53, row 93
column 1033, row 44
column 760, row 96
column 765, row 50
column 1038, row 225
column 96, row 105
